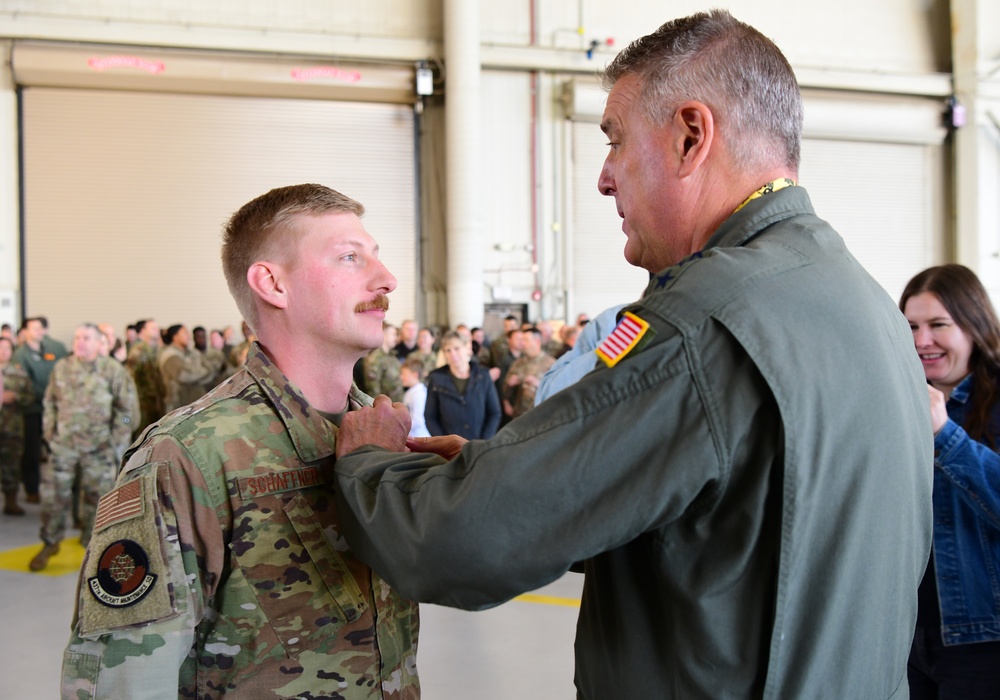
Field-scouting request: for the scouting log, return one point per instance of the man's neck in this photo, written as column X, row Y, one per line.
column 324, row 381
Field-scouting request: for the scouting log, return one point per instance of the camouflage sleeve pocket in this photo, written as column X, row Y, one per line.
column 300, row 581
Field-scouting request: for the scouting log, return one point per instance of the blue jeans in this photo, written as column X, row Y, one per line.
column 961, row 672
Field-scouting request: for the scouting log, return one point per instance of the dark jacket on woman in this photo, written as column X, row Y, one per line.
column 474, row 414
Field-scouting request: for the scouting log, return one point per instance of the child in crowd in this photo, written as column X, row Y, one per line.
column 415, row 397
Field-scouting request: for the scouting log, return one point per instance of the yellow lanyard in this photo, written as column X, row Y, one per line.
column 770, row 187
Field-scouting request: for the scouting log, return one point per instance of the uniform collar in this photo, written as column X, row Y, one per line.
column 313, row 436
column 758, row 213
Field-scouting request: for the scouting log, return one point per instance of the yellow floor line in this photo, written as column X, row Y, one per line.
column 549, row 600
column 68, row 560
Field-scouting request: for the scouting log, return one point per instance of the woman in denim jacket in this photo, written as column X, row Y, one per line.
column 956, row 648
column 461, row 397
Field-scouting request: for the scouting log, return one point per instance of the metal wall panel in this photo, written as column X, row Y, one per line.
column 126, row 194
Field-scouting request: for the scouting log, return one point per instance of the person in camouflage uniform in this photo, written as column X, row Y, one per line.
column 425, row 351
column 382, row 367
column 525, row 374
column 185, row 373
column 15, row 390
column 142, row 365
column 216, row 566
column 89, row 410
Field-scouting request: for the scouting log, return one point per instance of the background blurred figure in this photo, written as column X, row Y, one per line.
column 90, row 410
column 461, row 397
column 425, row 351
column 15, row 395
column 116, row 348
column 37, row 359
column 215, row 358
column 407, row 340
column 568, row 335
column 183, row 370
column 956, row 648
column 499, row 347
column 382, row 368
column 144, row 367
column 525, row 374
column 131, row 335
column 237, row 355
column 199, row 338
column 415, row 397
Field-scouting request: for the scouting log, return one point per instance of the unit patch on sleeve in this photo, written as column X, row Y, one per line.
column 625, row 338
column 123, row 575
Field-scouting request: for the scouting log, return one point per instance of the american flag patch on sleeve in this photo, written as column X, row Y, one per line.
column 623, row 339
column 121, row 504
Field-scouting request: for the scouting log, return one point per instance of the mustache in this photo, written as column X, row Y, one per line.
column 379, row 303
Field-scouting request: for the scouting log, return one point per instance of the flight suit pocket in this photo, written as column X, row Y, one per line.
column 301, row 582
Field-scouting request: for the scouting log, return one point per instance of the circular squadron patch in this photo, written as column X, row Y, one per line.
column 123, row 576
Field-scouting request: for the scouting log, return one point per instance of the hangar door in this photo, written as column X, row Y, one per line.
column 125, row 194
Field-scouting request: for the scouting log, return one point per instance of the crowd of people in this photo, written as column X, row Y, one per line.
column 68, row 415
column 463, row 384
column 778, row 483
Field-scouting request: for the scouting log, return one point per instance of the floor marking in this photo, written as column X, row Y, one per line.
column 67, row 561
column 549, row 600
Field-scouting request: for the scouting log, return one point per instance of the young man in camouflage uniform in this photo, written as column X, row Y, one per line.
column 216, row 566
column 88, row 413
column 145, row 370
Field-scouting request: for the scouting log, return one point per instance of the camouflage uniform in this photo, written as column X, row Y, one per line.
column 382, row 374
column 12, row 425
column 522, row 396
column 244, row 585
column 142, row 365
column 428, row 359
column 88, row 414
column 185, row 375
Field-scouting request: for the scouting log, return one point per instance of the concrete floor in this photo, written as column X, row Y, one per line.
column 522, row 649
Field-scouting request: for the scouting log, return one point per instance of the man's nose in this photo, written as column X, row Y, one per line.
column 606, row 182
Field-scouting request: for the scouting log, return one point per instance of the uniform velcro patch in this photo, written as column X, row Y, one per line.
column 278, row 482
column 123, row 575
column 623, row 339
column 119, row 505
column 127, row 575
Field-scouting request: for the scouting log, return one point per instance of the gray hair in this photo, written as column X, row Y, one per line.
column 736, row 71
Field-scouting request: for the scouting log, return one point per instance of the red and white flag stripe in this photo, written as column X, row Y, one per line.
column 120, row 504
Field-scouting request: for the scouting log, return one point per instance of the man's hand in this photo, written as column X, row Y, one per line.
column 447, row 446
column 385, row 425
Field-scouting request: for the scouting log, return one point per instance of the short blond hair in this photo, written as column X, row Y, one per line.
column 250, row 233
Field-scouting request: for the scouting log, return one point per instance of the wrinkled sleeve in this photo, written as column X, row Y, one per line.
column 583, row 473
column 146, row 653
column 50, row 410
column 972, row 467
column 125, row 410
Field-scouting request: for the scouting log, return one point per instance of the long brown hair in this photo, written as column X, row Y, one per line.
column 964, row 297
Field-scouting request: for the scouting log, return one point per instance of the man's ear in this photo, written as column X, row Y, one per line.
column 695, row 125
column 266, row 282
